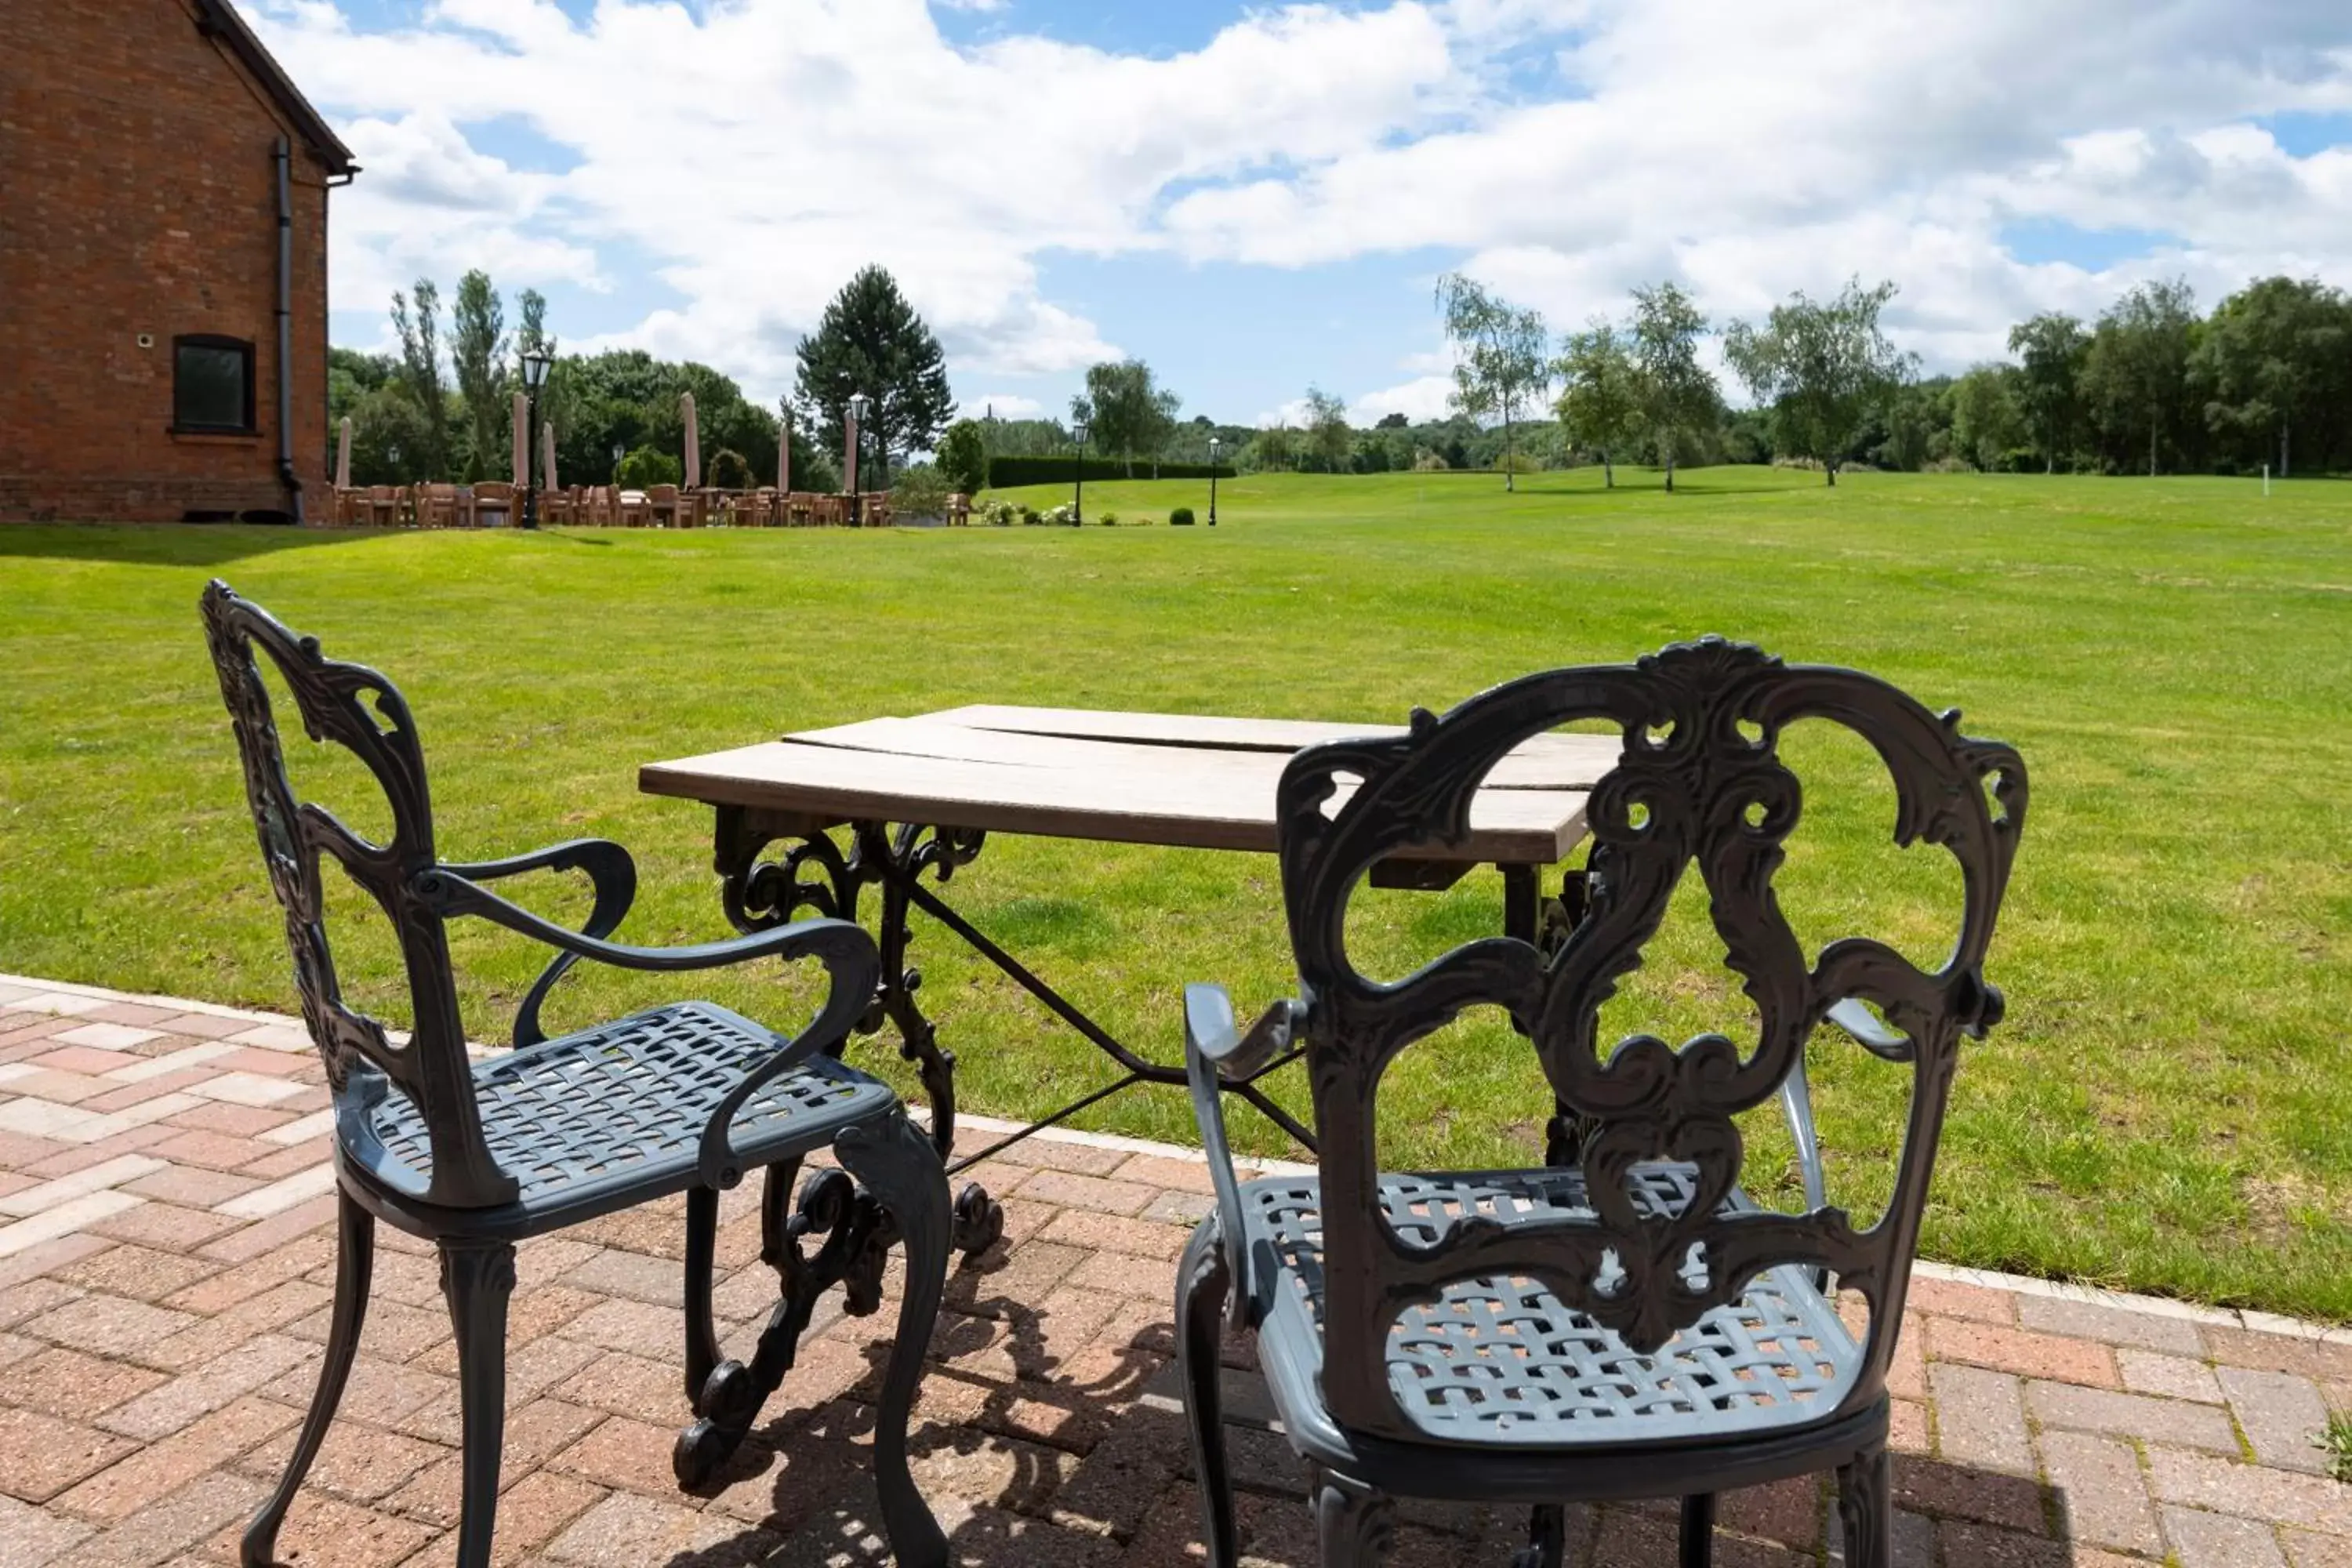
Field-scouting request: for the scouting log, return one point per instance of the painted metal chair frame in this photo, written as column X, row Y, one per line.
column 479, row 1154
column 1629, row 1324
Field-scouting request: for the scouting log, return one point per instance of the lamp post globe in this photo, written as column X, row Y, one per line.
column 1078, row 502
column 1215, row 445
column 535, row 360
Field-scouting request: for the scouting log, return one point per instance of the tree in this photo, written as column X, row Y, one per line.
column 2272, row 359
column 1328, row 435
column 1130, row 415
column 1675, row 392
column 963, row 457
column 420, row 372
column 2137, row 373
column 1392, row 422
column 1988, row 415
column 1824, row 367
column 2051, row 347
column 1499, row 358
column 1269, row 449
column 1599, row 404
column 478, row 350
column 871, row 341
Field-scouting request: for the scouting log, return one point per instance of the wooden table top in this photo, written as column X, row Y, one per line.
column 1177, row 780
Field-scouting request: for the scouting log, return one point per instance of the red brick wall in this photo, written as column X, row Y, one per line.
column 137, row 196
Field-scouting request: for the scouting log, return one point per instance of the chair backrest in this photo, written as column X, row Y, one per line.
column 1699, row 779
column 357, row 708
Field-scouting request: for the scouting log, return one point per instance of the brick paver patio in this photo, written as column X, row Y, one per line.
column 166, row 1264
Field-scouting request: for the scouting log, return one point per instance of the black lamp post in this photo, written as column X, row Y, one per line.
column 1079, row 506
column 1215, row 445
column 858, row 403
column 535, row 362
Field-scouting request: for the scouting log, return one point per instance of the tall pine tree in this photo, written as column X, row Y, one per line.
column 871, row 341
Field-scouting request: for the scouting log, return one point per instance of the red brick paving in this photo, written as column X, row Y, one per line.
column 163, row 1296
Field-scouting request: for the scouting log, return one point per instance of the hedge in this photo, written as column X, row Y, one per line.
column 1005, row 472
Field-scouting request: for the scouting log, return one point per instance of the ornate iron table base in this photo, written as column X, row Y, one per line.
column 813, row 874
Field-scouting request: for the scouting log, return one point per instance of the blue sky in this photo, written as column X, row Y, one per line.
column 1259, row 199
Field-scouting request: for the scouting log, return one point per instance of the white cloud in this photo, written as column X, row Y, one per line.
column 1006, row 406
column 746, row 155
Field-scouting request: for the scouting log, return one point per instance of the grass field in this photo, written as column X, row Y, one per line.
column 2169, row 1106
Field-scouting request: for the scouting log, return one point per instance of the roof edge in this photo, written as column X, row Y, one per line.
column 219, row 20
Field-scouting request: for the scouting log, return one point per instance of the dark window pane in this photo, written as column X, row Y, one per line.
column 209, row 392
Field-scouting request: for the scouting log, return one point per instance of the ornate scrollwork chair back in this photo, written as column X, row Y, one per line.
column 1700, row 785
column 357, row 708
column 1634, row 1301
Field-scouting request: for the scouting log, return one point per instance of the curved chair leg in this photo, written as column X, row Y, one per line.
column 1203, row 1283
column 899, row 1166
column 1866, row 1509
column 1355, row 1524
column 354, row 1268
column 477, row 1278
column 1699, row 1530
column 1546, row 1545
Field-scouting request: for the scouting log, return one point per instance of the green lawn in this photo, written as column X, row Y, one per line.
column 2166, row 1108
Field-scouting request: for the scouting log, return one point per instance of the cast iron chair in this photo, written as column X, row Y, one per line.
column 1631, row 1325
column 476, row 1156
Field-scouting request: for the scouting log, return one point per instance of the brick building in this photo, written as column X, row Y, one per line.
column 163, row 267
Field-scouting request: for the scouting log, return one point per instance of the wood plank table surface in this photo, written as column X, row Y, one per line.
column 1175, row 780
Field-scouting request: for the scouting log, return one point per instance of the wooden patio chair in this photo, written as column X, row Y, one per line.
column 387, row 506
column 1625, row 1322
column 496, row 504
column 439, row 506
column 662, row 506
column 475, row 1155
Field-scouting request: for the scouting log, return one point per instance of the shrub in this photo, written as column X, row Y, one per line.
column 1054, row 517
column 729, row 470
column 963, row 457
column 1000, row 513
column 1180, row 518
column 919, row 489
column 1003, row 473
column 1109, row 520
column 645, row 468
column 1029, row 516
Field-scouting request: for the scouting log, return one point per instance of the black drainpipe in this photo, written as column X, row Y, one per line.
column 286, row 476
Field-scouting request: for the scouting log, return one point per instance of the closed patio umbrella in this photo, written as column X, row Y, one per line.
column 693, row 441
column 546, row 456
column 520, row 446
column 343, row 454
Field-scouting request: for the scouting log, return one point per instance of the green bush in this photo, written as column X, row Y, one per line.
column 646, row 468
column 1003, row 473
column 1180, row 518
column 919, row 489
column 963, row 457
column 1000, row 513
column 1109, row 520
column 729, row 470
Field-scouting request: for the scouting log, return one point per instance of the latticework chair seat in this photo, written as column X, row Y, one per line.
column 1504, row 1361
column 614, row 1115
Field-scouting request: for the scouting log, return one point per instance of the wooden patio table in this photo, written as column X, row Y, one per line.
column 908, row 796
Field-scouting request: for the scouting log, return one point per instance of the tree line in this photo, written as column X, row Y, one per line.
column 439, row 407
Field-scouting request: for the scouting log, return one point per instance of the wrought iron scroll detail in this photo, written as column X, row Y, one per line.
column 816, row 874
column 354, row 707
column 1699, row 783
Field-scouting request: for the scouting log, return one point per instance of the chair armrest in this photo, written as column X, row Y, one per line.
column 1864, row 1027
column 855, row 968
column 447, row 892
column 610, row 871
column 1215, row 1048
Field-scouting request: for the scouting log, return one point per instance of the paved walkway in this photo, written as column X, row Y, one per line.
column 166, row 1265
